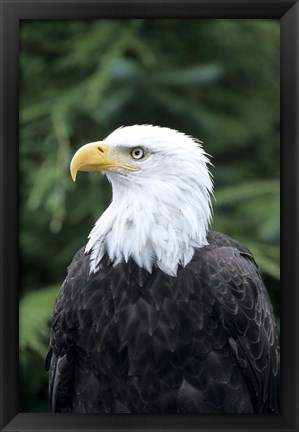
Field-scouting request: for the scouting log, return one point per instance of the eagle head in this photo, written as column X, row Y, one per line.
column 161, row 205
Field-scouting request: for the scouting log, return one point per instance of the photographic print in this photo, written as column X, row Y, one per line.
column 151, row 284
column 223, row 78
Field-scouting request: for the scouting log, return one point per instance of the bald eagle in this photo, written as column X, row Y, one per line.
column 157, row 313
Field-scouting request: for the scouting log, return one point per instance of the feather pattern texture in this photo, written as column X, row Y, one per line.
column 126, row 340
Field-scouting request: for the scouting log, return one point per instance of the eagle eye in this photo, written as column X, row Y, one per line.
column 137, row 153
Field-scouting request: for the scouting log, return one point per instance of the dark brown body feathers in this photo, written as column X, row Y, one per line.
column 125, row 340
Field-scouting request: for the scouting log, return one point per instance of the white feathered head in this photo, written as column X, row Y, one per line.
column 161, row 205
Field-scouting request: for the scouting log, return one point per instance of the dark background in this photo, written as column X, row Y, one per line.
column 217, row 80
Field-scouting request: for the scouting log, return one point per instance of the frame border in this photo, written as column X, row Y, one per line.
column 11, row 12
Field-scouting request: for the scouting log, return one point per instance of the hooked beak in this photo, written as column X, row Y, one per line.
column 94, row 157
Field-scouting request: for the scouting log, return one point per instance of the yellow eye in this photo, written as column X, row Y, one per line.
column 137, row 153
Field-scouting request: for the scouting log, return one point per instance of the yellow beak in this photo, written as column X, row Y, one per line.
column 94, row 157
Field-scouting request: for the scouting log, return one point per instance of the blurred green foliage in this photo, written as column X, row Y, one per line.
column 217, row 80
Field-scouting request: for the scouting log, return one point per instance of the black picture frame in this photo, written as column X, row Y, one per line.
column 11, row 12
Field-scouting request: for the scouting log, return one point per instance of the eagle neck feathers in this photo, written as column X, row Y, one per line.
column 158, row 225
